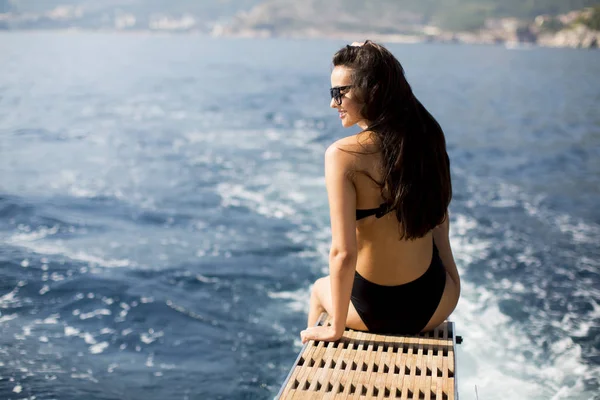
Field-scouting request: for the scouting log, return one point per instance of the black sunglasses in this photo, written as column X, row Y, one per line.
column 336, row 93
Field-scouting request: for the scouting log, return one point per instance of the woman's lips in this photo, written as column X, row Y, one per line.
column 342, row 114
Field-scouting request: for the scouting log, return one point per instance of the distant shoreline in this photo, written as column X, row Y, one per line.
column 454, row 38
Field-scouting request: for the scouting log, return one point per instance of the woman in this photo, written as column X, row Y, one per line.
column 391, row 265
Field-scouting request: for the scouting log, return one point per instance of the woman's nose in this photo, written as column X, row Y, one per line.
column 333, row 103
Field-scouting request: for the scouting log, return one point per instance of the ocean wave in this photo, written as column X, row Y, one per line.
column 497, row 349
column 74, row 255
column 238, row 195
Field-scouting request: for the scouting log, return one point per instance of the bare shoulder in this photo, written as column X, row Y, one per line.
column 351, row 151
column 359, row 144
column 342, row 154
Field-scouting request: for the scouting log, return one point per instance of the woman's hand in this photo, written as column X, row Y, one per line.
column 321, row 333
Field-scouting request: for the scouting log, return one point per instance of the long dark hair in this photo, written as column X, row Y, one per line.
column 415, row 165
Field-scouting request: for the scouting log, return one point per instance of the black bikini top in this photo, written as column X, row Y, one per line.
column 377, row 212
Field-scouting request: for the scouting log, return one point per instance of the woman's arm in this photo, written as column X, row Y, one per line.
column 441, row 236
column 342, row 209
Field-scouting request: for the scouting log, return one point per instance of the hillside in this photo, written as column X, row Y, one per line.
column 388, row 16
column 571, row 23
column 207, row 7
column 120, row 14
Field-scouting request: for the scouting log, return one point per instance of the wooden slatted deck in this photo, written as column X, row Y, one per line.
column 363, row 365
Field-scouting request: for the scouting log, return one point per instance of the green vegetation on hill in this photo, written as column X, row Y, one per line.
column 401, row 16
column 471, row 14
column 593, row 22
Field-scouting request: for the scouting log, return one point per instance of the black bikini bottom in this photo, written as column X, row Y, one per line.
column 402, row 309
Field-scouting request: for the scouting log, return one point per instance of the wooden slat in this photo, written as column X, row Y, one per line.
column 370, row 359
column 335, row 373
column 357, row 361
column 306, row 371
column 365, row 366
column 378, row 377
column 422, row 372
column 399, row 365
column 386, row 378
column 436, row 385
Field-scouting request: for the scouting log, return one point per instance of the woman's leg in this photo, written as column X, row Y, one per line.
column 316, row 306
column 447, row 304
column 320, row 300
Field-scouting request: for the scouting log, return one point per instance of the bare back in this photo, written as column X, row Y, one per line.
column 382, row 257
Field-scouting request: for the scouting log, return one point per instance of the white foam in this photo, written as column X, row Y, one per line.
column 150, row 360
column 238, row 195
column 87, row 376
column 502, row 194
column 88, row 338
column 107, row 301
column 55, row 277
column 28, row 236
column 485, row 359
column 580, row 231
column 111, row 368
column 70, row 331
column 9, row 297
column 98, row 348
column 95, row 313
column 6, row 318
column 57, row 249
column 491, row 356
column 297, row 300
column 151, row 336
column 83, row 192
column 146, row 300
column 205, row 279
column 51, row 320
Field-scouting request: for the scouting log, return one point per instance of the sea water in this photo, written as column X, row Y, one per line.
column 163, row 212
